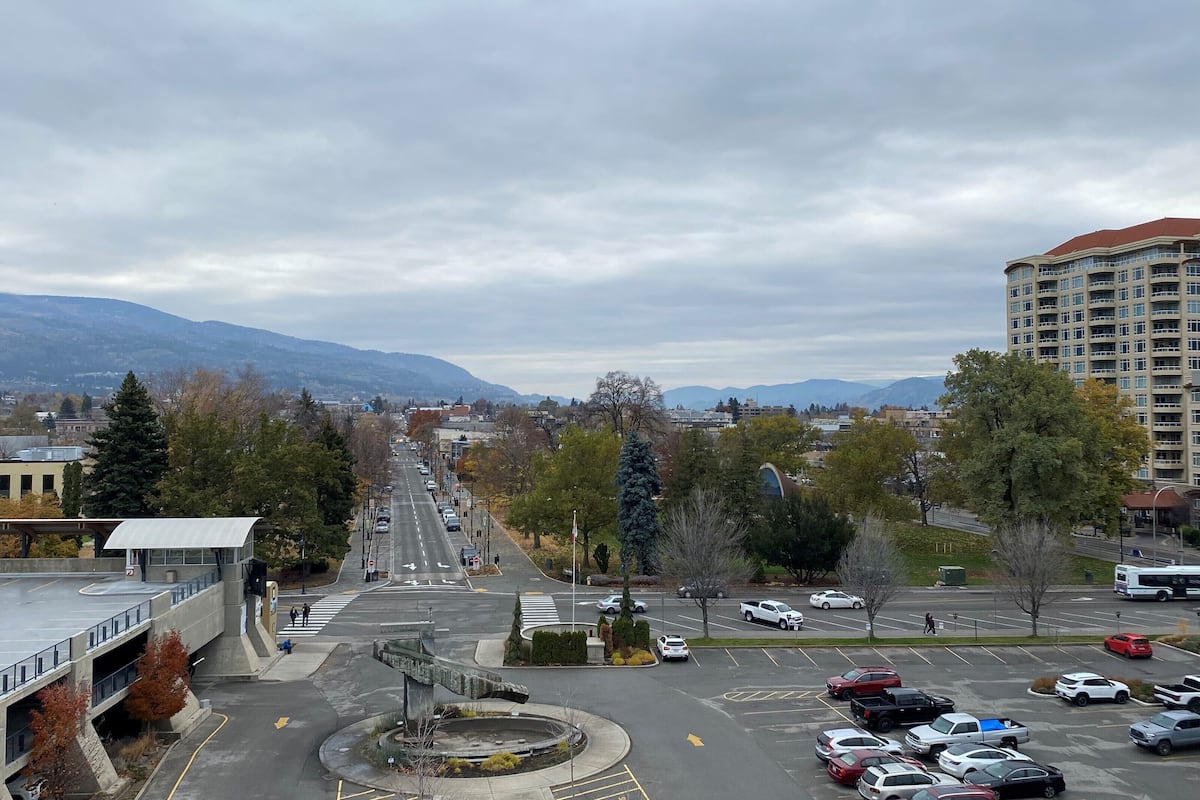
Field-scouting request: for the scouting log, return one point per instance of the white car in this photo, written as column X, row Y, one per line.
column 612, row 605
column 1081, row 687
column 833, row 743
column 834, row 599
column 898, row 780
column 965, row 757
column 672, row 646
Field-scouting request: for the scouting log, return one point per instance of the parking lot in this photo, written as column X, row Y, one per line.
column 778, row 696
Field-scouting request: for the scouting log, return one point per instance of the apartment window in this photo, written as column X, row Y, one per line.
column 1016, row 339
column 1139, row 329
column 1123, row 329
column 1027, row 289
column 1122, row 294
column 1080, row 349
column 1139, row 291
column 1014, row 307
column 1193, row 270
column 1123, row 365
column 1123, row 276
column 1016, row 323
column 1028, row 306
column 1196, row 420
column 1064, row 285
column 1139, row 309
column 1029, row 352
column 1193, row 288
column 1078, row 316
column 1139, row 273
column 1077, row 299
column 1029, row 322
column 5, row 486
column 47, row 484
column 1139, row 346
column 1066, row 335
column 1139, row 382
column 1066, row 317
column 1077, row 282
column 1014, row 292
column 1193, row 306
column 1079, row 333
column 1123, row 383
column 26, row 485
column 1195, row 396
column 1124, row 347
column 1139, row 364
column 1080, row 367
column 1139, row 400
column 1194, row 344
column 1065, row 352
column 1195, row 434
column 1029, row 338
column 1123, row 312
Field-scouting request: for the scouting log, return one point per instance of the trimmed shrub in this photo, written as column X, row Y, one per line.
column 500, row 762
column 643, row 580
column 601, row 580
column 606, row 635
column 1043, row 685
column 623, row 633
column 454, row 765
column 568, row 647
column 641, row 634
column 640, row 657
column 617, row 661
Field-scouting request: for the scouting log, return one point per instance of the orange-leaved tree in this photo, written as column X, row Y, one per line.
column 56, row 725
column 160, row 691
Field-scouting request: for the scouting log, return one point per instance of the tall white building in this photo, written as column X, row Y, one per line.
column 1123, row 306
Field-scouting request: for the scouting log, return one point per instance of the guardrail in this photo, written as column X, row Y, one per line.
column 118, row 625
column 114, row 682
column 193, row 587
column 17, row 744
column 17, row 675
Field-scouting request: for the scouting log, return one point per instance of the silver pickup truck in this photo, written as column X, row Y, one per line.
column 951, row 729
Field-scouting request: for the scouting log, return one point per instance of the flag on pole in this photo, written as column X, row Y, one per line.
column 574, row 529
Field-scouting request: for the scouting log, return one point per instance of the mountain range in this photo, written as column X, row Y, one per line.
column 86, row 345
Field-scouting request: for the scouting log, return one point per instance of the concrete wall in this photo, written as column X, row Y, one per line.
column 22, row 566
column 199, row 619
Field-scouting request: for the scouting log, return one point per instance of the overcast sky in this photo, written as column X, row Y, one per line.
column 701, row 193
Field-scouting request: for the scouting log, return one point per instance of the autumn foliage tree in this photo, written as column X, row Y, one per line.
column 160, row 691
column 56, row 725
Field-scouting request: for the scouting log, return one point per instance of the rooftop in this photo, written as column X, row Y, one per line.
column 1175, row 227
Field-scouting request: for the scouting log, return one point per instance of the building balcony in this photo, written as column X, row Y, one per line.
column 1047, row 305
column 1096, row 283
column 1104, row 370
column 1167, row 426
column 1164, row 330
column 1166, row 348
column 1164, row 312
column 1166, row 387
column 1044, row 325
column 1047, row 290
column 1168, row 462
column 1166, row 369
column 1163, row 275
column 1099, row 301
column 1165, row 293
column 1100, row 318
column 1168, row 406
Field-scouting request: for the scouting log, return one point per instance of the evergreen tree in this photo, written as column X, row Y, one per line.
column 85, row 407
column 66, row 409
column 307, row 414
column 512, row 647
column 335, row 483
column 130, row 457
column 637, row 515
column 72, row 489
column 696, row 467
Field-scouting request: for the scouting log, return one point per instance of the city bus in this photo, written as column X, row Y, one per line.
column 1157, row 583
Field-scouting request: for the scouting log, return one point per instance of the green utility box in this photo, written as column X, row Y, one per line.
column 952, row 576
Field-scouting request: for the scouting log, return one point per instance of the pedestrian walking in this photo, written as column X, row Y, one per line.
column 293, row 614
column 929, row 626
column 306, row 609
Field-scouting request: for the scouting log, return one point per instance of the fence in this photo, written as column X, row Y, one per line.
column 17, row 744
column 117, row 625
column 193, row 587
column 114, row 682
column 28, row 669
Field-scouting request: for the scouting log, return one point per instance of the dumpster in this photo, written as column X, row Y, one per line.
column 952, row 576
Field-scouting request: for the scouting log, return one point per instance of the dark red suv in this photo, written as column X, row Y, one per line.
column 862, row 682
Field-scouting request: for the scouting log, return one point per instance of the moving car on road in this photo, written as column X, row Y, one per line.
column 1020, row 779
column 1130, row 645
column 832, row 743
column 895, row 781
column 960, row 759
column 672, row 646
column 847, row 768
column 862, row 682
column 717, row 590
column 612, row 605
column 772, row 612
column 834, row 599
column 1081, row 688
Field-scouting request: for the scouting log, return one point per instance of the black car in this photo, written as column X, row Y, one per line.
column 1019, row 779
column 717, row 590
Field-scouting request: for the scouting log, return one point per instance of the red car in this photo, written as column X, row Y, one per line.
column 1130, row 645
column 862, row 682
column 847, row 768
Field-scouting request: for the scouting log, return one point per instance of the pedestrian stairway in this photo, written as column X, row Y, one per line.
column 320, row 613
column 538, row 609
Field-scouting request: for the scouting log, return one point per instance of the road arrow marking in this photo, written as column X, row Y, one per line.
column 279, row 723
column 443, row 566
column 695, row 740
column 410, row 566
column 413, row 582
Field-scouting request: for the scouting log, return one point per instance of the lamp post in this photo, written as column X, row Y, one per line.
column 1154, row 522
column 303, row 565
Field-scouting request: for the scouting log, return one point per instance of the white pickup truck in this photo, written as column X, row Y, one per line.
column 772, row 612
column 951, row 729
column 1180, row 695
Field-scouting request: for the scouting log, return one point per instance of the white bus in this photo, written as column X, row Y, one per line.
column 1158, row 583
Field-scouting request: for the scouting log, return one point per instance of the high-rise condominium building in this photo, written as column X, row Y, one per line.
column 1123, row 306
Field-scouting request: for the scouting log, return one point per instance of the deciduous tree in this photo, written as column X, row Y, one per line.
column 865, row 468
column 694, row 465
column 1117, row 450
column 703, row 546
column 1031, row 557
column 56, row 725
column 801, row 534
column 625, row 403
column 872, row 567
column 637, row 515
column 161, row 689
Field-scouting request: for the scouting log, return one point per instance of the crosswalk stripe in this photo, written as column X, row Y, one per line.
column 320, row 614
column 538, row 610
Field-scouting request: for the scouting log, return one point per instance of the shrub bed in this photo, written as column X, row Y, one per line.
column 1138, row 688
column 567, row 647
column 1182, row 641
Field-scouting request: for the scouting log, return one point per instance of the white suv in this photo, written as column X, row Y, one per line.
column 890, row 781
column 1083, row 687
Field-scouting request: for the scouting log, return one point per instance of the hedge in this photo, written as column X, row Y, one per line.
column 568, row 647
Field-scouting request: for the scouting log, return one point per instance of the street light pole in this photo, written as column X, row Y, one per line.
column 303, row 566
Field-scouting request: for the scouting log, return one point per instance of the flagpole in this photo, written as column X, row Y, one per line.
column 574, row 578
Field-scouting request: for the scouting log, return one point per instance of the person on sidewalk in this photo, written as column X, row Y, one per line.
column 304, row 614
column 293, row 614
column 929, row 627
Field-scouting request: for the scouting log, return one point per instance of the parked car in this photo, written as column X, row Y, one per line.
column 1130, row 645
column 862, row 682
column 382, row 526
column 960, row 759
column 23, row 789
column 1081, row 688
column 383, row 512
column 1166, row 731
column 612, row 605
column 771, row 612
column 834, row 599
column 717, row 590
column 950, row 729
column 672, row 646
column 955, row 791
column 1180, row 695
column 1019, row 779
column 832, row 743
column 898, row 706
column 847, row 768
column 453, row 523
column 895, row 781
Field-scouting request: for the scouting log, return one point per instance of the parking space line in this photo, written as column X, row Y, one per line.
column 1031, row 655
column 993, row 655
column 881, row 655
column 768, row 655
column 806, row 655
column 710, row 623
column 956, row 655
column 838, row 650
column 731, row 658
column 918, row 655
column 692, row 658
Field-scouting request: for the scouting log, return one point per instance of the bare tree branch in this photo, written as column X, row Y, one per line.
column 872, row 567
column 1030, row 559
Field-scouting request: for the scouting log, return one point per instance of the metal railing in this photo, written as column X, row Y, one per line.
column 193, row 587
column 17, row 675
column 17, row 744
column 118, row 625
column 114, row 682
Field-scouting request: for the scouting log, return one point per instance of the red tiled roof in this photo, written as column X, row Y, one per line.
column 1144, row 501
column 1167, row 226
